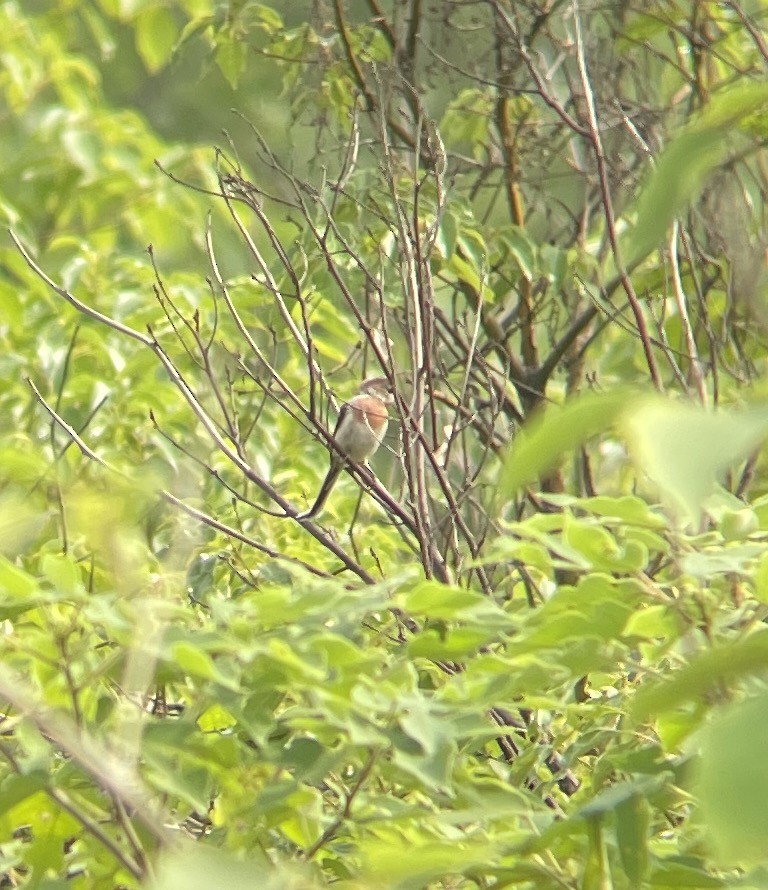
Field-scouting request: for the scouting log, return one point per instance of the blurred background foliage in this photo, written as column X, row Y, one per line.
column 185, row 703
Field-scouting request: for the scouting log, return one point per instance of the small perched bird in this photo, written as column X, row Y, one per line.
column 358, row 433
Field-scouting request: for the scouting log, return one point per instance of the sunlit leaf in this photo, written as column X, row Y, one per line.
column 558, row 430
column 686, row 449
column 733, row 781
column 724, row 663
column 230, row 57
column 156, row 32
column 522, row 249
column 686, row 163
column 191, row 865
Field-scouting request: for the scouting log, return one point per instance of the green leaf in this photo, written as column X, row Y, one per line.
column 593, row 541
column 621, row 793
column 675, row 875
column 553, row 262
column 733, row 781
column 629, row 509
column 761, row 579
column 674, row 727
column 704, row 673
column 230, row 57
column 424, row 747
column 596, row 867
column 686, row 449
column 16, row 788
column 555, row 432
column 465, row 272
column 736, row 525
column 658, row 621
column 632, row 825
column 522, row 249
column 192, row 28
column 451, row 646
column 578, row 622
column 443, row 601
column 686, row 163
column 155, row 31
column 408, row 866
column 14, row 581
column 447, row 233
column 188, row 866
column 726, row 560
column 601, row 549
column 63, row 573
column 197, row 663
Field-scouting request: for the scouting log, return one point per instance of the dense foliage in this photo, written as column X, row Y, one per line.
column 530, row 650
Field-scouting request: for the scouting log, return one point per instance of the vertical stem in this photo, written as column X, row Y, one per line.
column 605, row 193
column 680, row 300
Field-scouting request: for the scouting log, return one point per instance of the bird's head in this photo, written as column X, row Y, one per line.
column 379, row 387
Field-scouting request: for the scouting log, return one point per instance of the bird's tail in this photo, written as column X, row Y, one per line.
column 325, row 489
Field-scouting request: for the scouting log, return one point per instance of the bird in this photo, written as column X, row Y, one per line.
column 358, row 433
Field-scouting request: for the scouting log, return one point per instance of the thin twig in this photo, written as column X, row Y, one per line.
column 694, row 363
column 593, row 133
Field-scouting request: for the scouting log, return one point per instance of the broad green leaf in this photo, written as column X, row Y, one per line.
column 198, row 663
column 557, row 431
column 679, row 873
column 522, row 249
column 674, row 727
column 733, row 781
column 129, row 8
column 686, row 449
column 216, row 719
column 599, row 606
column 447, row 233
column 191, row 866
column 593, row 541
column 408, row 866
column 686, row 163
column 18, row 787
column 424, row 747
column 452, row 646
column 465, row 272
column 437, row 600
column 230, row 57
column 596, row 874
column 632, row 510
column 15, row 582
column 193, row 786
column 738, row 524
column 48, row 827
column 192, row 28
column 302, row 822
column 632, row 826
column 553, row 262
column 652, row 621
column 265, row 17
column 722, row 664
column 21, row 464
column 156, row 33
column 726, row 560
column 622, row 792
column 471, row 244
column 63, row 573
